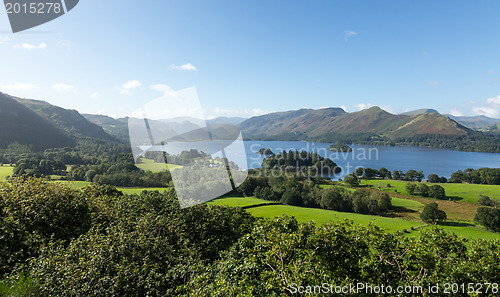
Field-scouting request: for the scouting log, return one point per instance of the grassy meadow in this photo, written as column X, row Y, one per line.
column 151, row 165
column 5, row 171
column 463, row 192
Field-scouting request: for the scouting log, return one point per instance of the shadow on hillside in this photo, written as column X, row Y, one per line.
column 259, row 205
column 456, row 224
column 398, row 212
column 454, row 198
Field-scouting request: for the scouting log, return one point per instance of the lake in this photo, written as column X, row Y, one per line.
column 430, row 160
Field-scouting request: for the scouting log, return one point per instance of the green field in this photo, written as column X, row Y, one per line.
column 469, row 231
column 139, row 190
column 150, row 165
column 5, row 171
column 238, row 201
column 407, row 203
column 321, row 216
column 81, row 184
column 462, row 192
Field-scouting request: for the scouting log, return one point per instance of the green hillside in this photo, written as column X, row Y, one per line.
column 70, row 121
column 116, row 127
column 40, row 125
column 20, row 124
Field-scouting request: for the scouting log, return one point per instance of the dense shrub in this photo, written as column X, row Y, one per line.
column 489, row 218
column 436, row 191
column 432, row 214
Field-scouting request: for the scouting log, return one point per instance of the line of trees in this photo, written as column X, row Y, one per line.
column 434, row 191
column 486, row 176
column 299, row 191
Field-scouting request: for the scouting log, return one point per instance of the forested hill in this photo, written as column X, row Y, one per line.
column 71, row 121
column 41, row 125
column 22, row 125
column 116, row 127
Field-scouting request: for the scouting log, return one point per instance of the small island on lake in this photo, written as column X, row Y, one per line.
column 339, row 147
column 265, row 151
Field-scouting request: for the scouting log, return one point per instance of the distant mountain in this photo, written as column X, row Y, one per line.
column 308, row 123
column 119, row 127
column 289, row 122
column 420, row 111
column 20, row 124
column 115, row 127
column 476, row 122
column 227, row 120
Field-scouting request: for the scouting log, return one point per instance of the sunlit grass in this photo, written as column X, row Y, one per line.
column 5, row 171
column 238, row 201
column 151, row 165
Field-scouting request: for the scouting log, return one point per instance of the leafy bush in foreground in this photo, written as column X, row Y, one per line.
column 145, row 245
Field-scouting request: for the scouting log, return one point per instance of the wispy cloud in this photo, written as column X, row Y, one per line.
column 29, row 46
column 165, row 89
column 61, row 88
column 95, row 95
column 432, row 83
column 455, row 112
column 19, row 87
column 128, row 86
column 489, row 108
column 4, row 40
column 362, row 106
column 187, row 67
column 66, row 44
column 348, row 34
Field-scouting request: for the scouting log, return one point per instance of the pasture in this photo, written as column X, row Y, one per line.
column 5, row 171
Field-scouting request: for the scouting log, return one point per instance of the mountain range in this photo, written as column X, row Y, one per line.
column 375, row 121
column 42, row 125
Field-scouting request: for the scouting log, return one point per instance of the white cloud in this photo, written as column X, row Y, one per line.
column 455, row 112
column 362, row 106
column 187, row 67
column 95, row 95
column 432, row 83
column 165, row 89
column 344, row 108
column 29, row 46
column 4, row 40
column 19, row 87
column 490, row 107
column 66, row 44
column 61, row 88
column 349, row 34
column 128, row 86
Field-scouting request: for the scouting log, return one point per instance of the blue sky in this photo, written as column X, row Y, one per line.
column 250, row 57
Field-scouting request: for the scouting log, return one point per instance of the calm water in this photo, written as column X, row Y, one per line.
column 429, row 160
column 439, row 161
